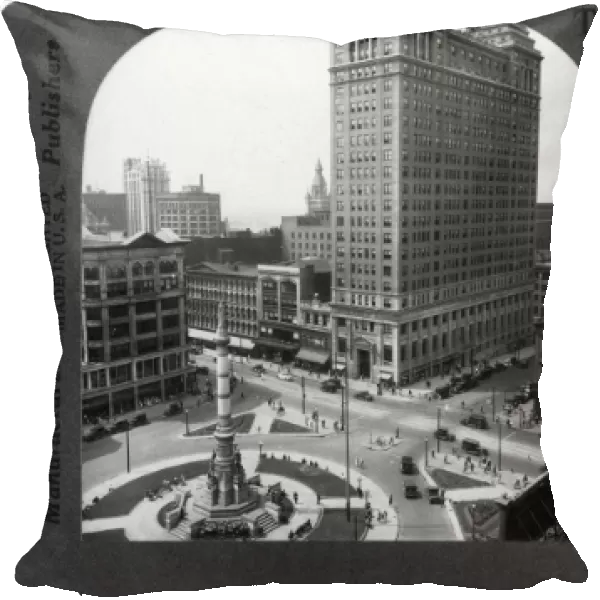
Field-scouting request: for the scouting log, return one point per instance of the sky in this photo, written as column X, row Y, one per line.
column 252, row 114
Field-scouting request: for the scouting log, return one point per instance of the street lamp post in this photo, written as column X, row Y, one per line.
column 347, row 427
column 473, row 507
column 499, row 446
column 127, row 449
column 439, row 418
column 342, row 418
column 426, row 452
column 260, row 447
column 493, row 404
column 302, row 383
column 187, row 423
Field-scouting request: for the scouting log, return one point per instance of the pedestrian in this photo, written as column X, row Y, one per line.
column 472, row 467
column 295, row 497
column 242, row 395
column 390, row 500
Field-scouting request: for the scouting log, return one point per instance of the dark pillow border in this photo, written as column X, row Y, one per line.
column 60, row 558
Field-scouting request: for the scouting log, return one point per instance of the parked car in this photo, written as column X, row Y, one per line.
column 469, row 384
column 443, row 434
column 477, row 421
column 118, row 426
column 435, row 495
column 486, row 372
column 202, row 370
column 408, row 466
column 473, row 447
column 139, row 419
column 443, row 391
column 364, row 396
column 175, row 408
column 95, row 433
column 520, row 398
column 285, row 376
column 331, row 386
column 259, row 369
column 411, row 491
column 457, row 388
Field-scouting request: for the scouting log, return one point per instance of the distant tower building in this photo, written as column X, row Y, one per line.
column 317, row 198
column 309, row 235
column 143, row 181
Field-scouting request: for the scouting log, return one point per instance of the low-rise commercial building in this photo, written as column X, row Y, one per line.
column 208, row 284
column 133, row 322
column 283, row 292
column 190, row 213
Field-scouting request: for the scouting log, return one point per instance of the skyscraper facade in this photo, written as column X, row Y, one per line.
column 143, row 181
column 434, row 185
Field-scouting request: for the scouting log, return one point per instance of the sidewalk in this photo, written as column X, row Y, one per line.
column 442, row 380
column 493, row 486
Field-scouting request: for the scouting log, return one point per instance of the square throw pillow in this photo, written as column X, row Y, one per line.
column 359, row 365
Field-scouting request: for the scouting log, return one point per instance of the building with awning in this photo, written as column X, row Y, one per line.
column 208, row 337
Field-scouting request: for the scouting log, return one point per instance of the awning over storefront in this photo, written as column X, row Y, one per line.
column 199, row 334
column 276, row 345
column 313, row 356
column 244, row 343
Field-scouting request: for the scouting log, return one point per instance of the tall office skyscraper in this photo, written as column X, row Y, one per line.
column 434, row 175
column 143, row 181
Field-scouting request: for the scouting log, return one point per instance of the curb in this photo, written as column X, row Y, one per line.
column 244, row 435
column 458, row 532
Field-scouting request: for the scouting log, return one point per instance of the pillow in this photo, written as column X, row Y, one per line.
column 168, row 314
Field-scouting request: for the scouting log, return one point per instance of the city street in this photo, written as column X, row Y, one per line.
column 163, row 439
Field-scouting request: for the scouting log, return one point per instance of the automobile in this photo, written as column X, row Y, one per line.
column 444, row 435
column 469, row 384
column 364, row 396
column 443, row 391
column 175, row 408
column 285, row 376
column 118, row 426
column 408, row 466
column 486, row 372
column 473, row 447
column 475, row 421
column 258, row 369
column 202, row 370
column 331, row 386
column 457, row 388
column 500, row 366
column 455, row 379
column 139, row 419
column 509, row 406
column 435, row 495
column 411, row 491
column 520, row 398
column 95, row 433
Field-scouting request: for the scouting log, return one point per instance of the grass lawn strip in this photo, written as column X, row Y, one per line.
column 243, row 424
column 334, row 526
column 487, row 519
column 320, row 481
column 122, row 500
column 453, row 481
column 280, row 426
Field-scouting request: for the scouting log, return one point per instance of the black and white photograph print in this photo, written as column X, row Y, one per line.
column 313, row 281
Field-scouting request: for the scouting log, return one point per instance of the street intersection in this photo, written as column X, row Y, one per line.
column 413, row 420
